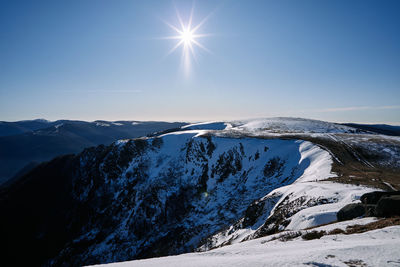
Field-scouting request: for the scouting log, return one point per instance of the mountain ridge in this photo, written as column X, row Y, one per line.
column 150, row 196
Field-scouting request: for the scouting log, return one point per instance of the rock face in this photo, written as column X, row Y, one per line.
column 351, row 211
column 141, row 198
column 374, row 197
column 388, row 206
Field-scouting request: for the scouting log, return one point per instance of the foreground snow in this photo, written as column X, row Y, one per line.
column 373, row 248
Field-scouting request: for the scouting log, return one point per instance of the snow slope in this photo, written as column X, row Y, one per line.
column 214, row 179
column 297, row 198
column 373, row 248
column 384, row 149
column 290, row 125
column 307, row 202
column 303, row 200
column 296, row 188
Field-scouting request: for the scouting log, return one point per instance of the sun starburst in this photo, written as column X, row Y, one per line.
column 187, row 37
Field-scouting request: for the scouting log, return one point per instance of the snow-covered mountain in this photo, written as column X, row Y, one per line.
column 291, row 125
column 204, row 186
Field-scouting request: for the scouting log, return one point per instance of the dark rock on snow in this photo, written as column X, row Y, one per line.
column 370, row 210
column 374, row 197
column 388, row 206
column 351, row 211
column 378, row 203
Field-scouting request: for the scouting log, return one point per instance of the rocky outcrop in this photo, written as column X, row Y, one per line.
column 377, row 203
column 351, row 211
column 388, row 206
column 374, row 197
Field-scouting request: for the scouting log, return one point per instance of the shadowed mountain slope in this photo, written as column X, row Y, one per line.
column 65, row 137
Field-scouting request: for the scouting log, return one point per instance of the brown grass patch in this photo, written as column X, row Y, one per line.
column 351, row 229
column 355, row 229
column 286, row 236
column 313, row 235
column 336, row 231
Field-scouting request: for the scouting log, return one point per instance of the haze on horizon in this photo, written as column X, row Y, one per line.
column 330, row 60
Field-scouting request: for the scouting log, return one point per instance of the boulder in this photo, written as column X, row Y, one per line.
column 370, row 210
column 388, row 206
column 374, row 197
column 351, row 211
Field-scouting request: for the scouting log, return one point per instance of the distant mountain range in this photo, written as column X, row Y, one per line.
column 24, row 144
column 19, row 127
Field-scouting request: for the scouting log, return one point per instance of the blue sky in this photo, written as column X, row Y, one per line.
column 330, row 60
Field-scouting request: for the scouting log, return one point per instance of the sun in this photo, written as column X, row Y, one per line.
column 187, row 37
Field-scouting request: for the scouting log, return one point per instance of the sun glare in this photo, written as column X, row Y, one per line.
column 187, row 38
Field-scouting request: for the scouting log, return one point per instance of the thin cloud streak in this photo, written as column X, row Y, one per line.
column 102, row 91
column 358, row 108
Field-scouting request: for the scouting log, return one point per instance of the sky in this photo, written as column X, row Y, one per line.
column 88, row 60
